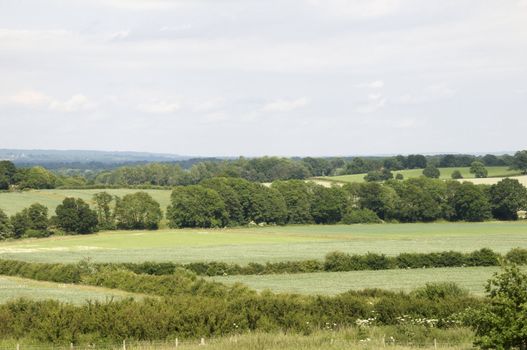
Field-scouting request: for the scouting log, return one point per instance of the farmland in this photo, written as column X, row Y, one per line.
column 272, row 243
column 13, row 288
column 493, row 172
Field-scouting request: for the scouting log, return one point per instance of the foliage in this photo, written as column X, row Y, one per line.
column 75, row 216
column 519, row 161
column 456, row 175
column 137, row 211
column 431, row 172
column 196, row 206
column 5, row 226
column 502, row 322
column 328, row 204
column 103, row 208
column 360, row 216
column 298, row 196
column 470, row 203
column 36, row 177
column 478, row 169
column 507, row 197
column 517, row 256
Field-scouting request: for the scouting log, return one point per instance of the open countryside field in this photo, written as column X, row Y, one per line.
column 273, row 243
column 14, row 288
column 472, row 279
column 496, row 172
column 13, row 202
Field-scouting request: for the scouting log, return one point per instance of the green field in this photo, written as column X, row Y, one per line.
column 273, row 243
column 329, row 283
column 13, row 202
column 498, row 171
column 14, row 288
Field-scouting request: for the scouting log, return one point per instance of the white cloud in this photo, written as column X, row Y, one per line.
column 119, row 35
column 159, row 107
column 374, row 103
column 76, row 103
column 26, row 98
column 357, row 9
column 285, row 105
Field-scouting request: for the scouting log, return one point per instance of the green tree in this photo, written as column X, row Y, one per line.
column 7, row 174
column 419, row 199
column 38, row 217
column 381, row 199
column 137, row 211
column 20, row 223
column 196, row 206
column 470, row 203
column 456, row 175
column 501, row 323
column 298, row 197
column 267, row 206
column 328, row 205
column 478, row 169
column 5, row 226
column 507, row 198
column 105, row 217
column 230, row 198
column 432, row 172
column 37, row 177
column 75, row 216
column 519, row 161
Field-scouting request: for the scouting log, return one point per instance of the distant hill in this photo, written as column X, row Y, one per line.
column 29, row 157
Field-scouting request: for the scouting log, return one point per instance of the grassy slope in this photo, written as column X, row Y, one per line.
column 500, row 171
column 330, row 283
column 243, row 245
column 13, row 288
column 13, row 202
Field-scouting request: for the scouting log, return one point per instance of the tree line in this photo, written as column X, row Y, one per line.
column 263, row 169
column 221, row 202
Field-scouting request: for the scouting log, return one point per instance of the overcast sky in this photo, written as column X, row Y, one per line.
column 273, row 77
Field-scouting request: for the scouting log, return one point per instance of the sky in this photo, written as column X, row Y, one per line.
column 274, row 77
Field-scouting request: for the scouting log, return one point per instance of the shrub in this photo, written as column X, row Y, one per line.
column 456, row 175
column 483, row 257
column 361, row 216
column 517, row 256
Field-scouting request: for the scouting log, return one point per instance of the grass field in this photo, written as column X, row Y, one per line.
column 330, row 283
column 500, row 171
column 13, row 202
column 14, row 288
column 244, row 245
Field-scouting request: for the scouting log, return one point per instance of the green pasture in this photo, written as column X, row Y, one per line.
column 272, row 243
column 329, row 283
column 497, row 171
column 14, row 288
column 13, row 202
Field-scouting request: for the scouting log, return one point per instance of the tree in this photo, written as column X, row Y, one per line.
column 7, row 174
column 519, row 161
column 378, row 175
column 501, row 322
column 378, row 198
column 328, row 205
column 196, row 206
column 105, row 216
column 230, row 198
column 478, row 169
column 416, row 161
column 37, row 177
column 507, row 197
column 419, row 199
column 431, row 172
column 470, row 203
column 38, row 217
column 297, row 198
column 5, row 226
column 456, row 175
column 267, row 205
column 137, row 211
column 20, row 223
column 399, row 177
column 75, row 216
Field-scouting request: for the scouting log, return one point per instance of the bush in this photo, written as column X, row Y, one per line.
column 456, row 175
column 361, row 216
column 517, row 256
column 483, row 257
column 437, row 291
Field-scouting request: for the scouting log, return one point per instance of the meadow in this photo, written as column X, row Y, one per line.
column 273, row 243
column 472, row 279
column 13, row 288
column 13, row 202
column 446, row 173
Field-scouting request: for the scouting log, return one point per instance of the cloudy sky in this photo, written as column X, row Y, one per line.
column 274, row 77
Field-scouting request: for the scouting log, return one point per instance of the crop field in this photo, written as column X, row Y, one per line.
column 13, row 202
column 14, row 288
column 273, row 243
column 494, row 172
column 472, row 279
